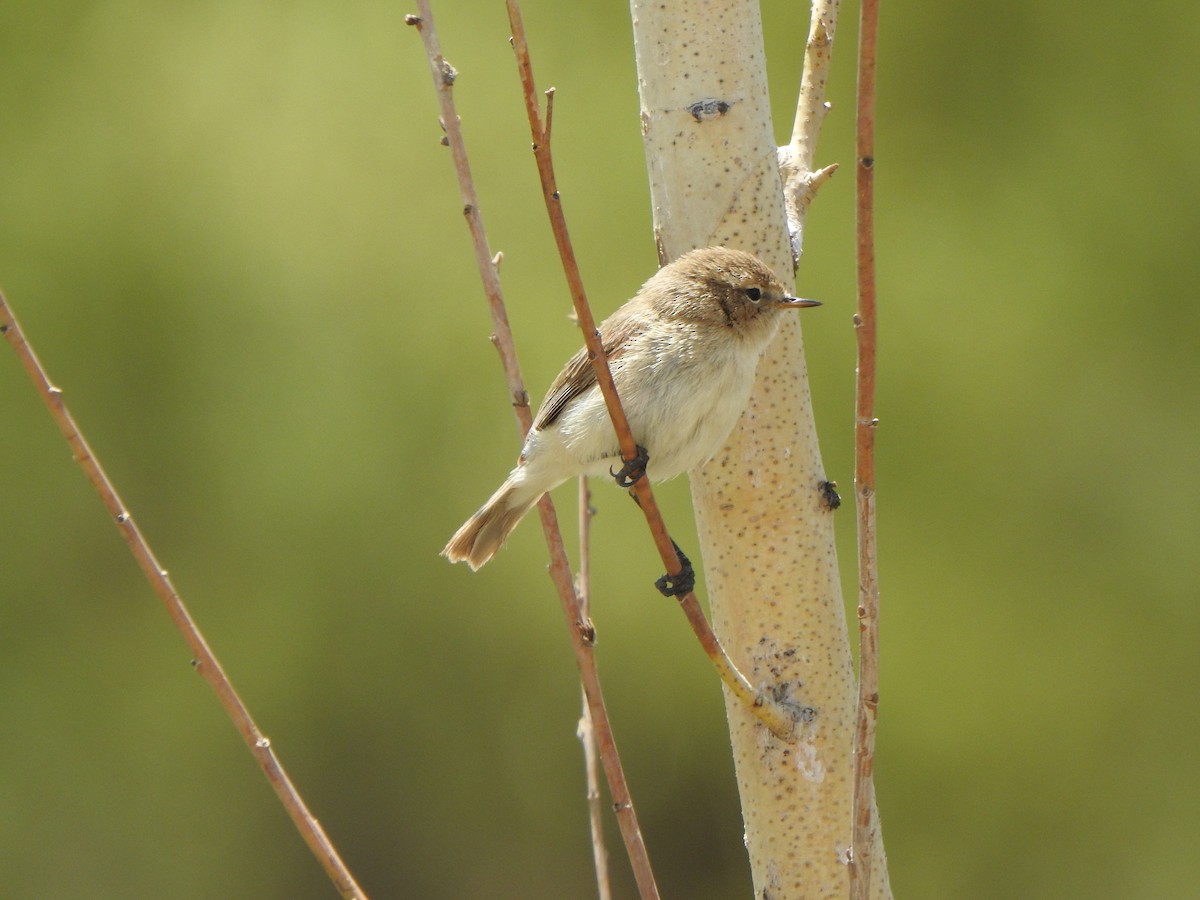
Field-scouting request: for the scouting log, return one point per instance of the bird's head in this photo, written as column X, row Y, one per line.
column 723, row 288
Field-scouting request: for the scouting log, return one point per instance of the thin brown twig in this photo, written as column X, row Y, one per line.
column 865, row 423
column 578, row 626
column 582, row 638
column 488, row 264
column 586, row 733
column 780, row 719
column 203, row 659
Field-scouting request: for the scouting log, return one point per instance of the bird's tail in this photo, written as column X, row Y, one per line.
column 485, row 532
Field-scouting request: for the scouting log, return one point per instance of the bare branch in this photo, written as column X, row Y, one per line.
column 487, row 264
column 865, row 817
column 578, row 625
column 203, row 659
column 585, row 732
column 796, row 159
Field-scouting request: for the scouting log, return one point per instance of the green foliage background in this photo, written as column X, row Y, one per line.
column 230, row 232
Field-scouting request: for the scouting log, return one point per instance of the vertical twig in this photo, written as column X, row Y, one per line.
column 796, row 158
column 585, row 732
column 203, row 659
column 579, row 628
column 864, row 465
column 781, row 720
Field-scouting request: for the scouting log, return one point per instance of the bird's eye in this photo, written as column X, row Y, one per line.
column 754, row 294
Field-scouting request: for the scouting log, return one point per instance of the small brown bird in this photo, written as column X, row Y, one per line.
column 683, row 353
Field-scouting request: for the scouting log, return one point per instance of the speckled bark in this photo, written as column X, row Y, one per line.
column 769, row 561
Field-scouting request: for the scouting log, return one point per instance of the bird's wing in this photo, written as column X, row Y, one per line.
column 578, row 375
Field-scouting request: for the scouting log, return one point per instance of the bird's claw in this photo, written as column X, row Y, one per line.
column 683, row 583
column 632, row 470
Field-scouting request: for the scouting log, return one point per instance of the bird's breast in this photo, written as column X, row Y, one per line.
column 683, row 412
column 681, row 394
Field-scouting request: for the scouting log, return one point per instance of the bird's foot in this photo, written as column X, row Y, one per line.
column 683, row 583
column 632, row 470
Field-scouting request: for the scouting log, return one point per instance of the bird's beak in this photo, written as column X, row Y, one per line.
column 796, row 303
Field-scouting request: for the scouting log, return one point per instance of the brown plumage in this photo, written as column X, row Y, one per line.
column 683, row 353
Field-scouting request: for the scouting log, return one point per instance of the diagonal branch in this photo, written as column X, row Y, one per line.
column 203, row 659
column 865, row 820
column 578, row 626
column 780, row 718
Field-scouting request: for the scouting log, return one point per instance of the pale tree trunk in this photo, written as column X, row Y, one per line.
column 770, row 565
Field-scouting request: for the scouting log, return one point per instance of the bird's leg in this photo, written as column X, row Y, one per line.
column 677, row 585
column 632, row 470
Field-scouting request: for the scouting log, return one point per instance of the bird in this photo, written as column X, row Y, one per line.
column 683, row 354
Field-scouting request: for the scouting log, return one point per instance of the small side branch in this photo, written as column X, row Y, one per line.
column 780, row 718
column 578, row 625
column 800, row 181
column 203, row 659
column 863, row 838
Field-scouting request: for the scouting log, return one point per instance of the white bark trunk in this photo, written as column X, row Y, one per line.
column 770, row 564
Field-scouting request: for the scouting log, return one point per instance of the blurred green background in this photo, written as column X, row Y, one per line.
column 231, row 234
